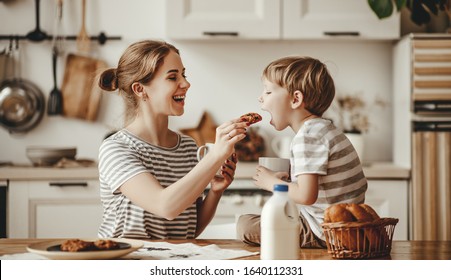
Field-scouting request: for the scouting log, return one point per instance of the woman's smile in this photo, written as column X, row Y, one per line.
column 179, row 98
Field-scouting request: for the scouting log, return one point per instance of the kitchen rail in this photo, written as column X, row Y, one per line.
column 102, row 38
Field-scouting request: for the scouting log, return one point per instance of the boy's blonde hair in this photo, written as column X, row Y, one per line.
column 306, row 74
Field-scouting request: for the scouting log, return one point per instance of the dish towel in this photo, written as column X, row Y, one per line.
column 185, row 251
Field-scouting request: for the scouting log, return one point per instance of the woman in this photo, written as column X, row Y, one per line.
column 151, row 182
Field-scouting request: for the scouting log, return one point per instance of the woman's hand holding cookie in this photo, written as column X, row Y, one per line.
column 231, row 132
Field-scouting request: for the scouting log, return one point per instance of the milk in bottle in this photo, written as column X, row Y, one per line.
column 279, row 227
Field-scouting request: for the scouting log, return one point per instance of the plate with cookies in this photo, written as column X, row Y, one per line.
column 85, row 249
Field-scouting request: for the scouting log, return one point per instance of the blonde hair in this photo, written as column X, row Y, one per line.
column 306, row 74
column 138, row 63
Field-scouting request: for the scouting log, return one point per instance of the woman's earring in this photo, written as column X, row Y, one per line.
column 145, row 97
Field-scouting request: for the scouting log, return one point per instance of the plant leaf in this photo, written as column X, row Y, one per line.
column 443, row 5
column 419, row 15
column 431, row 5
column 382, row 8
column 400, row 4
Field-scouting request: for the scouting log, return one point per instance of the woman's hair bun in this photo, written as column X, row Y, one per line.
column 108, row 80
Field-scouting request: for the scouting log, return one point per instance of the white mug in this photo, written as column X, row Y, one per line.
column 203, row 150
column 275, row 164
column 282, row 146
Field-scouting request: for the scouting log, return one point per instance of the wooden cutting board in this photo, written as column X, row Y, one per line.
column 205, row 132
column 81, row 94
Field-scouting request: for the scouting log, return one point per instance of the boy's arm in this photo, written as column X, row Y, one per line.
column 305, row 190
column 266, row 179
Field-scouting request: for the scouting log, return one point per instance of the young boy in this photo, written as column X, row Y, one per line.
column 325, row 168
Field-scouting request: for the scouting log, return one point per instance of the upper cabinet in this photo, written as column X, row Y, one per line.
column 331, row 18
column 205, row 19
column 276, row 19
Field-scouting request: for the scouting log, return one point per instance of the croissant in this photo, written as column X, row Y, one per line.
column 354, row 238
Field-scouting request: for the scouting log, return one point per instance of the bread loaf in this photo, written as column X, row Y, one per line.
column 354, row 238
column 350, row 212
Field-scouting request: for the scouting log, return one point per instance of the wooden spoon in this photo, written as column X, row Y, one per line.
column 83, row 41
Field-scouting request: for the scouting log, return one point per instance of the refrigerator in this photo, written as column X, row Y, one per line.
column 422, row 130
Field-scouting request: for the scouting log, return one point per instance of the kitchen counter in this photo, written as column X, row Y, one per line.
column 245, row 170
column 376, row 171
column 401, row 250
column 45, row 173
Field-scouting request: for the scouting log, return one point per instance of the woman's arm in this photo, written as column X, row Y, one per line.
column 145, row 191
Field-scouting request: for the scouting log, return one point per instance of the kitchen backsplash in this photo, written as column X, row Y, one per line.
column 224, row 75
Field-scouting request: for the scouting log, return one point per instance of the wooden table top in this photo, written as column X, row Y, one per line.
column 401, row 250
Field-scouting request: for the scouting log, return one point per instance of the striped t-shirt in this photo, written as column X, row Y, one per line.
column 124, row 155
column 320, row 148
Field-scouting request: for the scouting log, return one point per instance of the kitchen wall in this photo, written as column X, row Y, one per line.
column 224, row 75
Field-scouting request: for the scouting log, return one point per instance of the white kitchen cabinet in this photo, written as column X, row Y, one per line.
column 331, row 18
column 205, row 19
column 54, row 209
column 276, row 19
column 389, row 198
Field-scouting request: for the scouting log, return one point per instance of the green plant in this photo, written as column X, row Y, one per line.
column 421, row 10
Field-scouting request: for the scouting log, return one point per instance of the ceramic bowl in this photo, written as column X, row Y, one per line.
column 45, row 156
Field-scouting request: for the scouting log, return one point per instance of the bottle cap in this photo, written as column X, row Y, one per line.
column 280, row 188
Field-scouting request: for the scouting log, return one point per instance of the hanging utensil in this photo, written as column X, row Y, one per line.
column 37, row 35
column 58, row 37
column 83, row 40
column 55, row 102
column 5, row 60
column 81, row 93
column 22, row 103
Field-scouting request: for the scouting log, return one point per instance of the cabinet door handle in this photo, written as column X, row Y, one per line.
column 351, row 33
column 73, row 184
column 213, row 33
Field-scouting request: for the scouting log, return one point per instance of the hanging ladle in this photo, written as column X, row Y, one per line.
column 37, row 35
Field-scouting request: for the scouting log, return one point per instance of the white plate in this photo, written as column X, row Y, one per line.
column 42, row 249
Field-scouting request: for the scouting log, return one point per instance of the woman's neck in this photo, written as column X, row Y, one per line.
column 153, row 130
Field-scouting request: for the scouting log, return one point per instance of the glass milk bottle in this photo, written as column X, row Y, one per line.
column 279, row 227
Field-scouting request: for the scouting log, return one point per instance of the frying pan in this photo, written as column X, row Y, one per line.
column 22, row 103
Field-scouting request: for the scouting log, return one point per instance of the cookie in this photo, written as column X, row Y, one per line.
column 251, row 118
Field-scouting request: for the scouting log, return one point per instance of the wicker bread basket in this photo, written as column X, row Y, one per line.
column 360, row 240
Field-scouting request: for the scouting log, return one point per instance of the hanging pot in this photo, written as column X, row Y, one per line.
column 22, row 103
